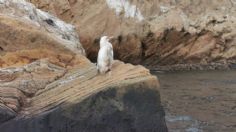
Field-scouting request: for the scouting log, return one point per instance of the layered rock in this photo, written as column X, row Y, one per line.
column 126, row 100
column 47, row 84
column 27, row 35
column 19, row 84
column 154, row 32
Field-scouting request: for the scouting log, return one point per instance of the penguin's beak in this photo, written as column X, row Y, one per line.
column 111, row 37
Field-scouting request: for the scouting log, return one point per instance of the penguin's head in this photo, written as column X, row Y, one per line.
column 104, row 40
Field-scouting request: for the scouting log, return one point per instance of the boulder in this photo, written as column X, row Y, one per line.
column 22, row 24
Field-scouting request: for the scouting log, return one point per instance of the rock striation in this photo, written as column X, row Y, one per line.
column 126, row 100
column 197, row 34
column 47, row 84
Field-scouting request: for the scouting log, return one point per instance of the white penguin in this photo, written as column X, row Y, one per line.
column 105, row 55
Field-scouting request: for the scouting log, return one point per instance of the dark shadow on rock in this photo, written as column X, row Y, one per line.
column 118, row 109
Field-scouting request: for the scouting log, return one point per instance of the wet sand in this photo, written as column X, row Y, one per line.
column 199, row 101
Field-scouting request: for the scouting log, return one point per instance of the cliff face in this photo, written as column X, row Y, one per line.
column 155, row 32
column 47, row 84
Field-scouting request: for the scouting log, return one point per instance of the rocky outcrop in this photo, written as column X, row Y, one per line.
column 47, row 84
column 126, row 100
column 156, row 33
column 30, row 18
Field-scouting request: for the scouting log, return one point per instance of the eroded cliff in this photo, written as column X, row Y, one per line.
column 181, row 34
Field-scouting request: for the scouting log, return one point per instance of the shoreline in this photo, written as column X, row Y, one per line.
column 194, row 67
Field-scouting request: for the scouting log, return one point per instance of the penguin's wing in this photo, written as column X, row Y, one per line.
column 110, row 53
column 111, row 50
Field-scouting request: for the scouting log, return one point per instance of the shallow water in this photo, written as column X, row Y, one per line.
column 199, row 101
